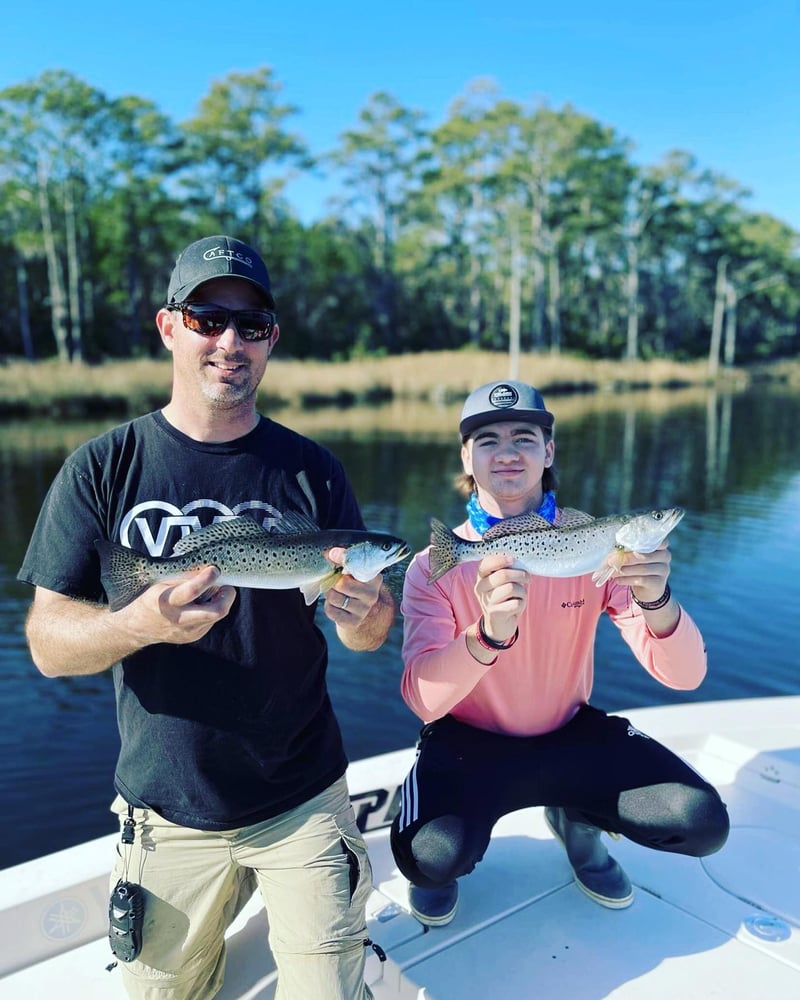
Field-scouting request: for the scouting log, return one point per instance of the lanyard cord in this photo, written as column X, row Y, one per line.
column 127, row 837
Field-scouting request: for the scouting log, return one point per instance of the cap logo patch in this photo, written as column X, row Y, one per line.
column 503, row 396
column 216, row 252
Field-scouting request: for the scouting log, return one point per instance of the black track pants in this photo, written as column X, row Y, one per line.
column 599, row 767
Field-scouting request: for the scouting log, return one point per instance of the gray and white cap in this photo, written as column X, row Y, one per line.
column 507, row 400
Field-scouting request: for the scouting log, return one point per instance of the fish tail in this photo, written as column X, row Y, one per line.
column 124, row 574
column 442, row 553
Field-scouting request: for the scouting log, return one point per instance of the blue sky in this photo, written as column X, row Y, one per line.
column 719, row 79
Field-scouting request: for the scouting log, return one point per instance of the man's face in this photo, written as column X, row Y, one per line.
column 224, row 369
column 507, row 461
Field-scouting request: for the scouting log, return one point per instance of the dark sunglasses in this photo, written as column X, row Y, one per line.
column 210, row 320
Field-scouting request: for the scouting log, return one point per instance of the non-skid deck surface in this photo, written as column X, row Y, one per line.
column 724, row 927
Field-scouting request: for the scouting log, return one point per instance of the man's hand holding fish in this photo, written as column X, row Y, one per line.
column 358, row 609
column 183, row 610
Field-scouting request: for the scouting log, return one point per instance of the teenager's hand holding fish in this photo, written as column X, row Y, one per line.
column 628, row 547
column 502, row 589
column 579, row 544
column 645, row 572
column 502, row 592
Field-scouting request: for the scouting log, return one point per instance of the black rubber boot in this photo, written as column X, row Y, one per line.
column 434, row 907
column 596, row 872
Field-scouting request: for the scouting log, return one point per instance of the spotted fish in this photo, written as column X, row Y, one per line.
column 289, row 554
column 581, row 544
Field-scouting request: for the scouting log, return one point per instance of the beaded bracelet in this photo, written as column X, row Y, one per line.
column 492, row 644
column 654, row 605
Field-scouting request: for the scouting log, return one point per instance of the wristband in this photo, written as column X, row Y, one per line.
column 492, row 644
column 654, row 605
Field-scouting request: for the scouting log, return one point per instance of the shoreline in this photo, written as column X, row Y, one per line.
column 124, row 389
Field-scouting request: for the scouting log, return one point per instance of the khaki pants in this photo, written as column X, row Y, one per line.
column 313, row 872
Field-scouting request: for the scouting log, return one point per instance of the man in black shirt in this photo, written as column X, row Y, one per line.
column 231, row 763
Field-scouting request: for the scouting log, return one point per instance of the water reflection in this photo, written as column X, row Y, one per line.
column 718, row 434
column 733, row 460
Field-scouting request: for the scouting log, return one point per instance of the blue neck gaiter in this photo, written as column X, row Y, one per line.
column 481, row 521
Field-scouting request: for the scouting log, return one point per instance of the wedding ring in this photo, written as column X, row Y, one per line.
column 345, row 602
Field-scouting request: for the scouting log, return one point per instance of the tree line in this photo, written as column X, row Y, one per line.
column 507, row 227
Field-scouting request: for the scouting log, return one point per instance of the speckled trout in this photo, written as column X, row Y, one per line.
column 289, row 554
column 581, row 544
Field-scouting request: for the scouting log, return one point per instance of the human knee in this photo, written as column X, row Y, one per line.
column 436, row 853
column 707, row 821
column 676, row 817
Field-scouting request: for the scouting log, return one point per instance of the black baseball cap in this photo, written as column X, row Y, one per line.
column 508, row 400
column 217, row 257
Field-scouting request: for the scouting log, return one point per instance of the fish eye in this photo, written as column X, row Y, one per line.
column 657, row 514
column 386, row 546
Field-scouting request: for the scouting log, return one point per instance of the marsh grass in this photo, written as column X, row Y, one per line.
column 127, row 388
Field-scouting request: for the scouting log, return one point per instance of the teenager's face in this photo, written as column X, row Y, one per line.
column 507, row 461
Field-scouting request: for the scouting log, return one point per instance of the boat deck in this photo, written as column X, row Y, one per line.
column 726, row 926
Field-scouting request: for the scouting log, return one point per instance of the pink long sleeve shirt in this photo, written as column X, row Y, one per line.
column 541, row 682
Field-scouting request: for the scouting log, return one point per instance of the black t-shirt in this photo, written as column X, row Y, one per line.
column 238, row 726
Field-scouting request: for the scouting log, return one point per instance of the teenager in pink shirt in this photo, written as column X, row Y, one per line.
column 499, row 666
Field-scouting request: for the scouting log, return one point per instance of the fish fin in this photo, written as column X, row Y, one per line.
column 312, row 590
column 125, row 574
column 522, row 523
column 442, row 551
column 293, row 522
column 233, row 527
column 572, row 518
column 330, row 579
column 604, row 573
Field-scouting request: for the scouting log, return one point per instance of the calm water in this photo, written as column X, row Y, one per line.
column 732, row 461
